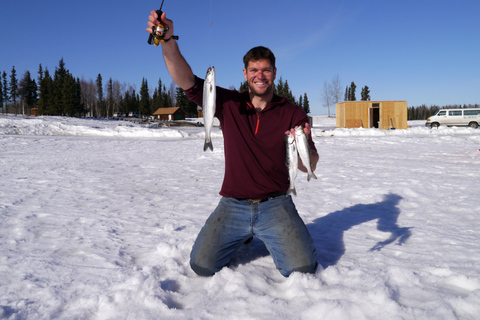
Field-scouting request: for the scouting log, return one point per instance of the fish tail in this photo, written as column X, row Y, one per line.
column 209, row 145
column 311, row 175
column 291, row 191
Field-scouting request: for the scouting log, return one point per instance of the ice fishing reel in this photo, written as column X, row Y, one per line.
column 158, row 35
column 159, row 31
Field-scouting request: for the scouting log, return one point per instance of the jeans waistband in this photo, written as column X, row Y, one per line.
column 257, row 201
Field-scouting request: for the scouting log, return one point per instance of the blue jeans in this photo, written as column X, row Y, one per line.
column 276, row 222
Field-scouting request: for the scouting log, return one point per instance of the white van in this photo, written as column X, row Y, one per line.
column 455, row 117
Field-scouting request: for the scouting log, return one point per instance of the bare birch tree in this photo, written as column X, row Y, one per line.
column 88, row 96
column 331, row 93
column 336, row 89
column 326, row 95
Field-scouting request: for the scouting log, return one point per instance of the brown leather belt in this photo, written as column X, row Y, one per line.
column 270, row 197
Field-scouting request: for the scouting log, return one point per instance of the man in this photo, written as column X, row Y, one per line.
column 254, row 201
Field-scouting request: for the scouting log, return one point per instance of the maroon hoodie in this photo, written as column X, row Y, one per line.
column 255, row 151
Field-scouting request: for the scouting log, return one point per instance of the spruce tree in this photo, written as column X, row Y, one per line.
column 185, row 104
column 40, row 74
column 365, row 94
column 351, row 92
column 32, row 97
column 155, row 100
column 69, row 96
column 287, row 93
column 27, row 90
column 100, row 104
column 306, row 104
column 6, row 96
column 243, row 86
column 279, row 88
column 130, row 103
column 144, row 98
column 45, row 94
column 158, row 97
column 79, row 106
column 59, row 78
column 109, row 101
column 166, row 99
column 14, row 88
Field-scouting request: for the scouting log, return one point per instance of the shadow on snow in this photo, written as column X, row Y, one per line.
column 328, row 231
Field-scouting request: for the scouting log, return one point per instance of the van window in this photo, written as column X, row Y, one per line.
column 471, row 112
column 442, row 113
column 455, row 113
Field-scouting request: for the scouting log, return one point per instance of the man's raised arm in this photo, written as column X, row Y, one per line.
column 177, row 66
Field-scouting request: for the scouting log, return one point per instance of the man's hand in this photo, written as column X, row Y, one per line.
column 153, row 21
column 307, row 128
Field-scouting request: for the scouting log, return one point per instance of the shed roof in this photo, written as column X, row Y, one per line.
column 161, row 111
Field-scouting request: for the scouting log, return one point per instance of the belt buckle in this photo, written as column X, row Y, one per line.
column 254, row 201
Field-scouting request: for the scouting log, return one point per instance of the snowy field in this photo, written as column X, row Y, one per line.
column 97, row 219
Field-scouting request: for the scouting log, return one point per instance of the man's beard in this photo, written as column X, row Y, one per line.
column 267, row 91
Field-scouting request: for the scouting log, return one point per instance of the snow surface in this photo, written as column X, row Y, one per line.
column 97, row 219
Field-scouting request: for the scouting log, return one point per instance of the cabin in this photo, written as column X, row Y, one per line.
column 383, row 115
column 169, row 114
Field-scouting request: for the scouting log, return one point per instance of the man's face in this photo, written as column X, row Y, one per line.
column 260, row 76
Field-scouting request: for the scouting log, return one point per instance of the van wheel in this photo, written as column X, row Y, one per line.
column 473, row 125
column 435, row 125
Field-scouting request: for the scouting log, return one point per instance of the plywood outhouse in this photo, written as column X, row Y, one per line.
column 372, row 114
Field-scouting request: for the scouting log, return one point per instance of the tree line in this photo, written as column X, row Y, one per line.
column 62, row 94
column 350, row 93
column 331, row 96
column 423, row 112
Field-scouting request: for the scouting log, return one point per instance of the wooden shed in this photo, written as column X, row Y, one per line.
column 168, row 114
column 372, row 114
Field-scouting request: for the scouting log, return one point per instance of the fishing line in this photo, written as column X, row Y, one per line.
column 210, row 36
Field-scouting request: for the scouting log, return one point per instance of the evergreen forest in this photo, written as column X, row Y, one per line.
column 62, row 94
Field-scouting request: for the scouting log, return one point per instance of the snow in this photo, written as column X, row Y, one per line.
column 97, row 219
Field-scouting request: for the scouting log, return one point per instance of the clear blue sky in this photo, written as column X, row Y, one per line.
column 425, row 52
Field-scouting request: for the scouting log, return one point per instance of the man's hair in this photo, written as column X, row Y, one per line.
column 259, row 53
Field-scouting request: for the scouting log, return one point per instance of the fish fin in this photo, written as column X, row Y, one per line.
column 208, row 145
column 291, row 191
column 311, row 175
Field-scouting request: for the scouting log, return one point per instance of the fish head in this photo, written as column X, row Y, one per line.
column 210, row 77
column 299, row 130
column 289, row 138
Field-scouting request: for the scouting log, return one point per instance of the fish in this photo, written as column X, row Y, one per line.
column 291, row 162
column 304, row 151
column 209, row 106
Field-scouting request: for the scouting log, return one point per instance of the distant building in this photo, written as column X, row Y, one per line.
column 372, row 114
column 168, row 114
column 199, row 112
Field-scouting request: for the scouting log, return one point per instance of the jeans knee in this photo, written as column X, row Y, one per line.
column 304, row 269
column 201, row 271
